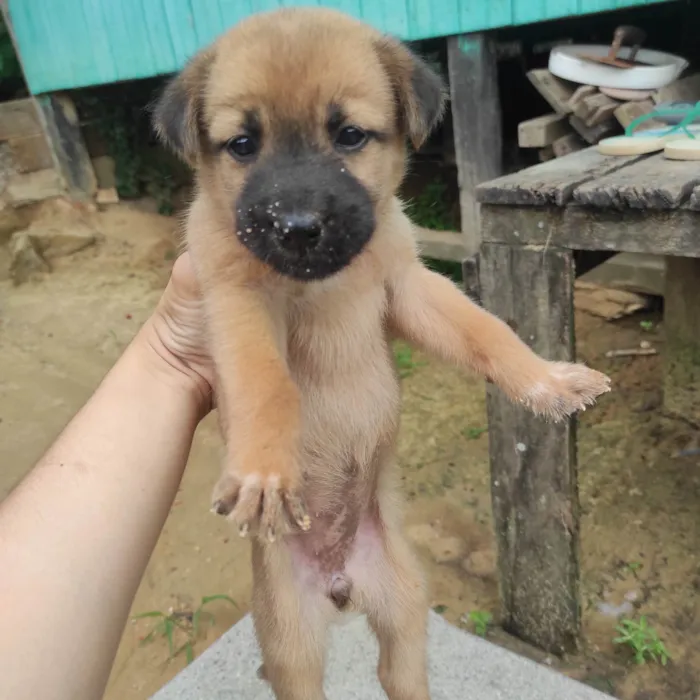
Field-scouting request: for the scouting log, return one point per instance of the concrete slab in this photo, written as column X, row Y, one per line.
column 461, row 666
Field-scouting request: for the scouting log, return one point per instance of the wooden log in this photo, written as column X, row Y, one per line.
column 555, row 91
column 682, row 329
column 533, row 462
column 542, row 131
column 567, row 144
column 593, row 134
column 440, row 245
column 69, row 153
column 476, row 118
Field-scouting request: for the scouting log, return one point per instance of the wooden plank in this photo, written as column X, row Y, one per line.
column 682, row 330
column 652, row 183
column 470, row 278
column 594, row 134
column 600, row 108
column 555, row 91
column 568, row 144
column 533, row 462
column 441, row 245
column 656, row 232
column 69, row 153
column 18, row 119
column 553, row 182
column 581, row 92
column 476, row 119
column 31, row 153
column 542, row 131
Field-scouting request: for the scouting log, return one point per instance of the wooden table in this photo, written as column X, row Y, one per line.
column 537, row 227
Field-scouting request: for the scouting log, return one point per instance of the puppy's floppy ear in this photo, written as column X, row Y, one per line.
column 419, row 91
column 177, row 114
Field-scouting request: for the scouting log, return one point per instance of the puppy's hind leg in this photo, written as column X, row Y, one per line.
column 292, row 641
column 400, row 622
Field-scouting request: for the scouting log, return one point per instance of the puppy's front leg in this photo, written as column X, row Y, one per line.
column 260, row 412
column 429, row 311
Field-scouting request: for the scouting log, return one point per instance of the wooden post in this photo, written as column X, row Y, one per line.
column 533, row 463
column 682, row 326
column 476, row 122
column 59, row 122
column 69, row 153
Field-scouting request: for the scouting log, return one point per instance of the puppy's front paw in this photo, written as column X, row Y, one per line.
column 260, row 501
column 564, row 389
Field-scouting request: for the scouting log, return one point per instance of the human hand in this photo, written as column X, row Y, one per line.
column 176, row 333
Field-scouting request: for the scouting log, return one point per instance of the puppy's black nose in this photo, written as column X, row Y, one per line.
column 298, row 232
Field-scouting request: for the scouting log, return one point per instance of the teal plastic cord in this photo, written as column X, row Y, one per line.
column 690, row 116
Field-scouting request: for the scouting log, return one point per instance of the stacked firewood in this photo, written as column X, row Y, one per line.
column 583, row 115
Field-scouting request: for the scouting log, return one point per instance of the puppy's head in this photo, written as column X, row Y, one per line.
column 297, row 121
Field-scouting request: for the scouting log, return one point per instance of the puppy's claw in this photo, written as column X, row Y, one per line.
column 243, row 530
column 297, row 509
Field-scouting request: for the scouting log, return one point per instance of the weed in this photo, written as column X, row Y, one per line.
column 481, row 619
column 440, row 609
column 643, row 640
column 646, row 325
column 403, row 356
column 633, row 566
column 474, row 433
column 430, row 208
column 178, row 625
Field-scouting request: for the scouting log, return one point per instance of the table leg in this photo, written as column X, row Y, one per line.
column 682, row 327
column 533, row 463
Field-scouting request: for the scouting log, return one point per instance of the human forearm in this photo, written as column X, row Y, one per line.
column 76, row 535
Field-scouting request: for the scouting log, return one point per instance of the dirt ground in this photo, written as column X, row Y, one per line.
column 641, row 522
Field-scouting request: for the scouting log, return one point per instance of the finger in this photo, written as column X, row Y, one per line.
column 296, row 507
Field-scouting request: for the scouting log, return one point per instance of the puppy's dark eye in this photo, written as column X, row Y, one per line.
column 350, row 138
column 242, row 148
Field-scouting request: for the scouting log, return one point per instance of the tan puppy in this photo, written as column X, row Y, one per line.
column 296, row 123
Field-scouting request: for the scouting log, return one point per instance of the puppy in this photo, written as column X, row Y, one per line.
column 296, row 123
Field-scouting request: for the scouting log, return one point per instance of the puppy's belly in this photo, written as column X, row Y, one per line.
column 339, row 561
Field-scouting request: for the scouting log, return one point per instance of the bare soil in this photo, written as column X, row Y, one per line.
column 61, row 332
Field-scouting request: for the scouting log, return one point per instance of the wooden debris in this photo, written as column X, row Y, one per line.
column 631, row 352
column 579, row 94
column 600, row 108
column 627, row 112
column 567, row 144
column 555, row 91
column 593, row 134
column 684, row 90
column 610, row 304
column 545, row 154
column 542, row 131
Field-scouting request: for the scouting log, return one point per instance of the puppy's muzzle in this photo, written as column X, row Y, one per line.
column 304, row 214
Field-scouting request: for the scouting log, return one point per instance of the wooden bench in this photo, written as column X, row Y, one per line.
column 535, row 225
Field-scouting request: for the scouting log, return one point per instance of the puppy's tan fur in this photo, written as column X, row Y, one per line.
column 308, row 394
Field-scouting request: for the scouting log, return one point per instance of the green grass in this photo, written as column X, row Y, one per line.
column 405, row 362
column 181, row 628
column 481, row 621
column 643, row 640
column 474, row 433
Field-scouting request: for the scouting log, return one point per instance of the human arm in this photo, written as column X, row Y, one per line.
column 78, row 531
